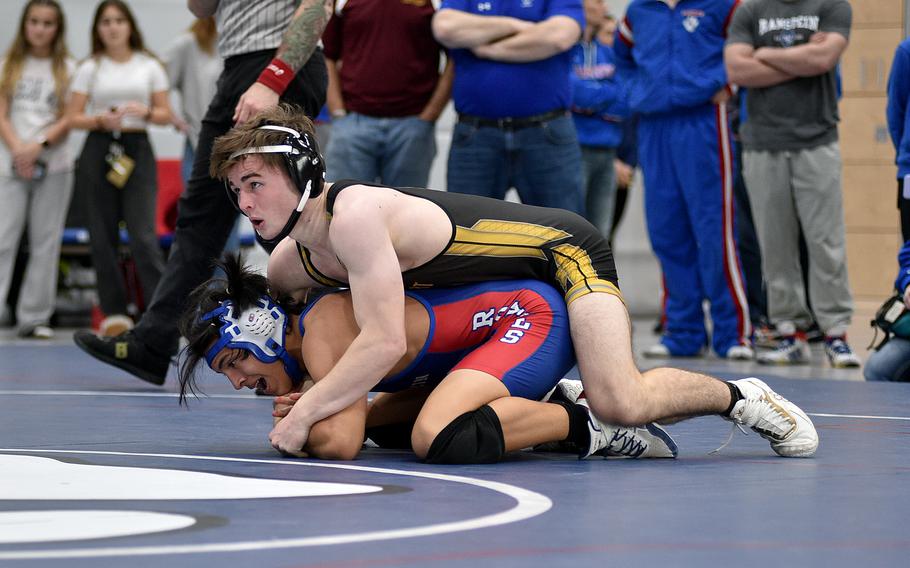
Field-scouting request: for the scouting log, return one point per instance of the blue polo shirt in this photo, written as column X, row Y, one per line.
column 494, row 89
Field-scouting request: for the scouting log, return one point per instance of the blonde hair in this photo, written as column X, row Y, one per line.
column 15, row 55
column 248, row 135
column 203, row 29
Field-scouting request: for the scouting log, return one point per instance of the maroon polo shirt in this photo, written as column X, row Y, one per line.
column 388, row 60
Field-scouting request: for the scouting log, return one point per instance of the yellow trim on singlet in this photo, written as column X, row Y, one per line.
column 576, row 274
column 496, row 238
column 586, row 287
column 313, row 272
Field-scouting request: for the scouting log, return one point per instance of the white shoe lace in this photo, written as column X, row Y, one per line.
column 729, row 438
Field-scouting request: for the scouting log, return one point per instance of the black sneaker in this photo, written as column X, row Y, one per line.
column 126, row 352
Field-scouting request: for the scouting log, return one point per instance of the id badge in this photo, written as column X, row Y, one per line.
column 121, row 165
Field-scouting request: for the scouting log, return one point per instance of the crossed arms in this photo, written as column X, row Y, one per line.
column 768, row 66
column 503, row 38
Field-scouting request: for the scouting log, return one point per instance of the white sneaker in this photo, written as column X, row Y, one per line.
column 740, row 353
column 839, row 353
column 790, row 350
column 775, row 418
column 608, row 440
column 657, row 351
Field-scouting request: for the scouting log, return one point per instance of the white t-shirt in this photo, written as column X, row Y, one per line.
column 110, row 84
column 33, row 109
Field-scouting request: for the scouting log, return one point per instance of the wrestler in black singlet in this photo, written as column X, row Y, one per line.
column 497, row 240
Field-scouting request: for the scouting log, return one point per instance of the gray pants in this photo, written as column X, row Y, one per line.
column 43, row 204
column 790, row 190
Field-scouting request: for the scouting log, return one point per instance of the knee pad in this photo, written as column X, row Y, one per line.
column 392, row 436
column 473, row 437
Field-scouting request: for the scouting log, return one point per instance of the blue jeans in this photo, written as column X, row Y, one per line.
column 600, row 186
column 392, row 151
column 542, row 162
column 890, row 363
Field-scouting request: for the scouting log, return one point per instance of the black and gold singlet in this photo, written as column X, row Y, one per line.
column 498, row 240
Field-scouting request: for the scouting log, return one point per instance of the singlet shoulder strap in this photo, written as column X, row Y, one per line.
column 333, row 192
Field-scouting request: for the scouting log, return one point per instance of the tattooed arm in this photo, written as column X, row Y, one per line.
column 296, row 47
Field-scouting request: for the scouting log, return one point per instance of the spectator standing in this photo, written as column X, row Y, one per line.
column 385, row 91
column 193, row 68
column 672, row 52
column 598, row 109
column 512, row 94
column 35, row 165
column 898, row 122
column 117, row 93
column 269, row 53
column 786, row 54
column 891, row 362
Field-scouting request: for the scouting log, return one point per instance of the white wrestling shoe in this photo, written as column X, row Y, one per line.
column 775, row 418
column 608, row 440
column 566, row 390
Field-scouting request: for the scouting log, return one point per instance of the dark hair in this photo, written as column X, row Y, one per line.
column 242, row 286
column 136, row 41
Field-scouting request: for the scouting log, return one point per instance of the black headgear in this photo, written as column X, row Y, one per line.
column 305, row 168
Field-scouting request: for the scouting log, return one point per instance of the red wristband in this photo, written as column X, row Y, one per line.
column 277, row 75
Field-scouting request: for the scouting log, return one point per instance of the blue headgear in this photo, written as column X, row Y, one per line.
column 305, row 168
column 260, row 329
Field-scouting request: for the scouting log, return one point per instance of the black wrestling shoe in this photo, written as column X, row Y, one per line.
column 126, row 352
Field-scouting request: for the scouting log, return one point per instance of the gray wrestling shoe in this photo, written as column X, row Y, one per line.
column 608, row 440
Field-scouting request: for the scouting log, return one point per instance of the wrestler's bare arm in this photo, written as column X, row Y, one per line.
column 360, row 239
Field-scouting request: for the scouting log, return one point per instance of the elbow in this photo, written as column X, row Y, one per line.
column 564, row 43
column 393, row 347
column 329, row 441
column 444, row 29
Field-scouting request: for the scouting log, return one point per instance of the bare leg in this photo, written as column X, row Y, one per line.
column 617, row 392
column 524, row 422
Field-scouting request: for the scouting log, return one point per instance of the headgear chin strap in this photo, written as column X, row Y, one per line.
column 260, row 329
column 305, row 168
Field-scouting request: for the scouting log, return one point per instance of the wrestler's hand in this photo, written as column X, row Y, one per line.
column 257, row 98
column 289, row 437
column 282, row 405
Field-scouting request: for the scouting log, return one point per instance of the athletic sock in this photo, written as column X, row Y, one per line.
column 579, row 434
column 735, row 396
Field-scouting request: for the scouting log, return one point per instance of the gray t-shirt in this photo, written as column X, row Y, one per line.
column 801, row 113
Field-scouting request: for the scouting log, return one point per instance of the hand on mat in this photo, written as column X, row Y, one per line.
column 258, row 97
column 288, row 437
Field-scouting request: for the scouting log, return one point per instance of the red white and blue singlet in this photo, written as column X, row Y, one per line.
column 514, row 330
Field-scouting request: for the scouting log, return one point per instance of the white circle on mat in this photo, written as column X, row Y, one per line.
column 36, row 478
column 17, row 527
